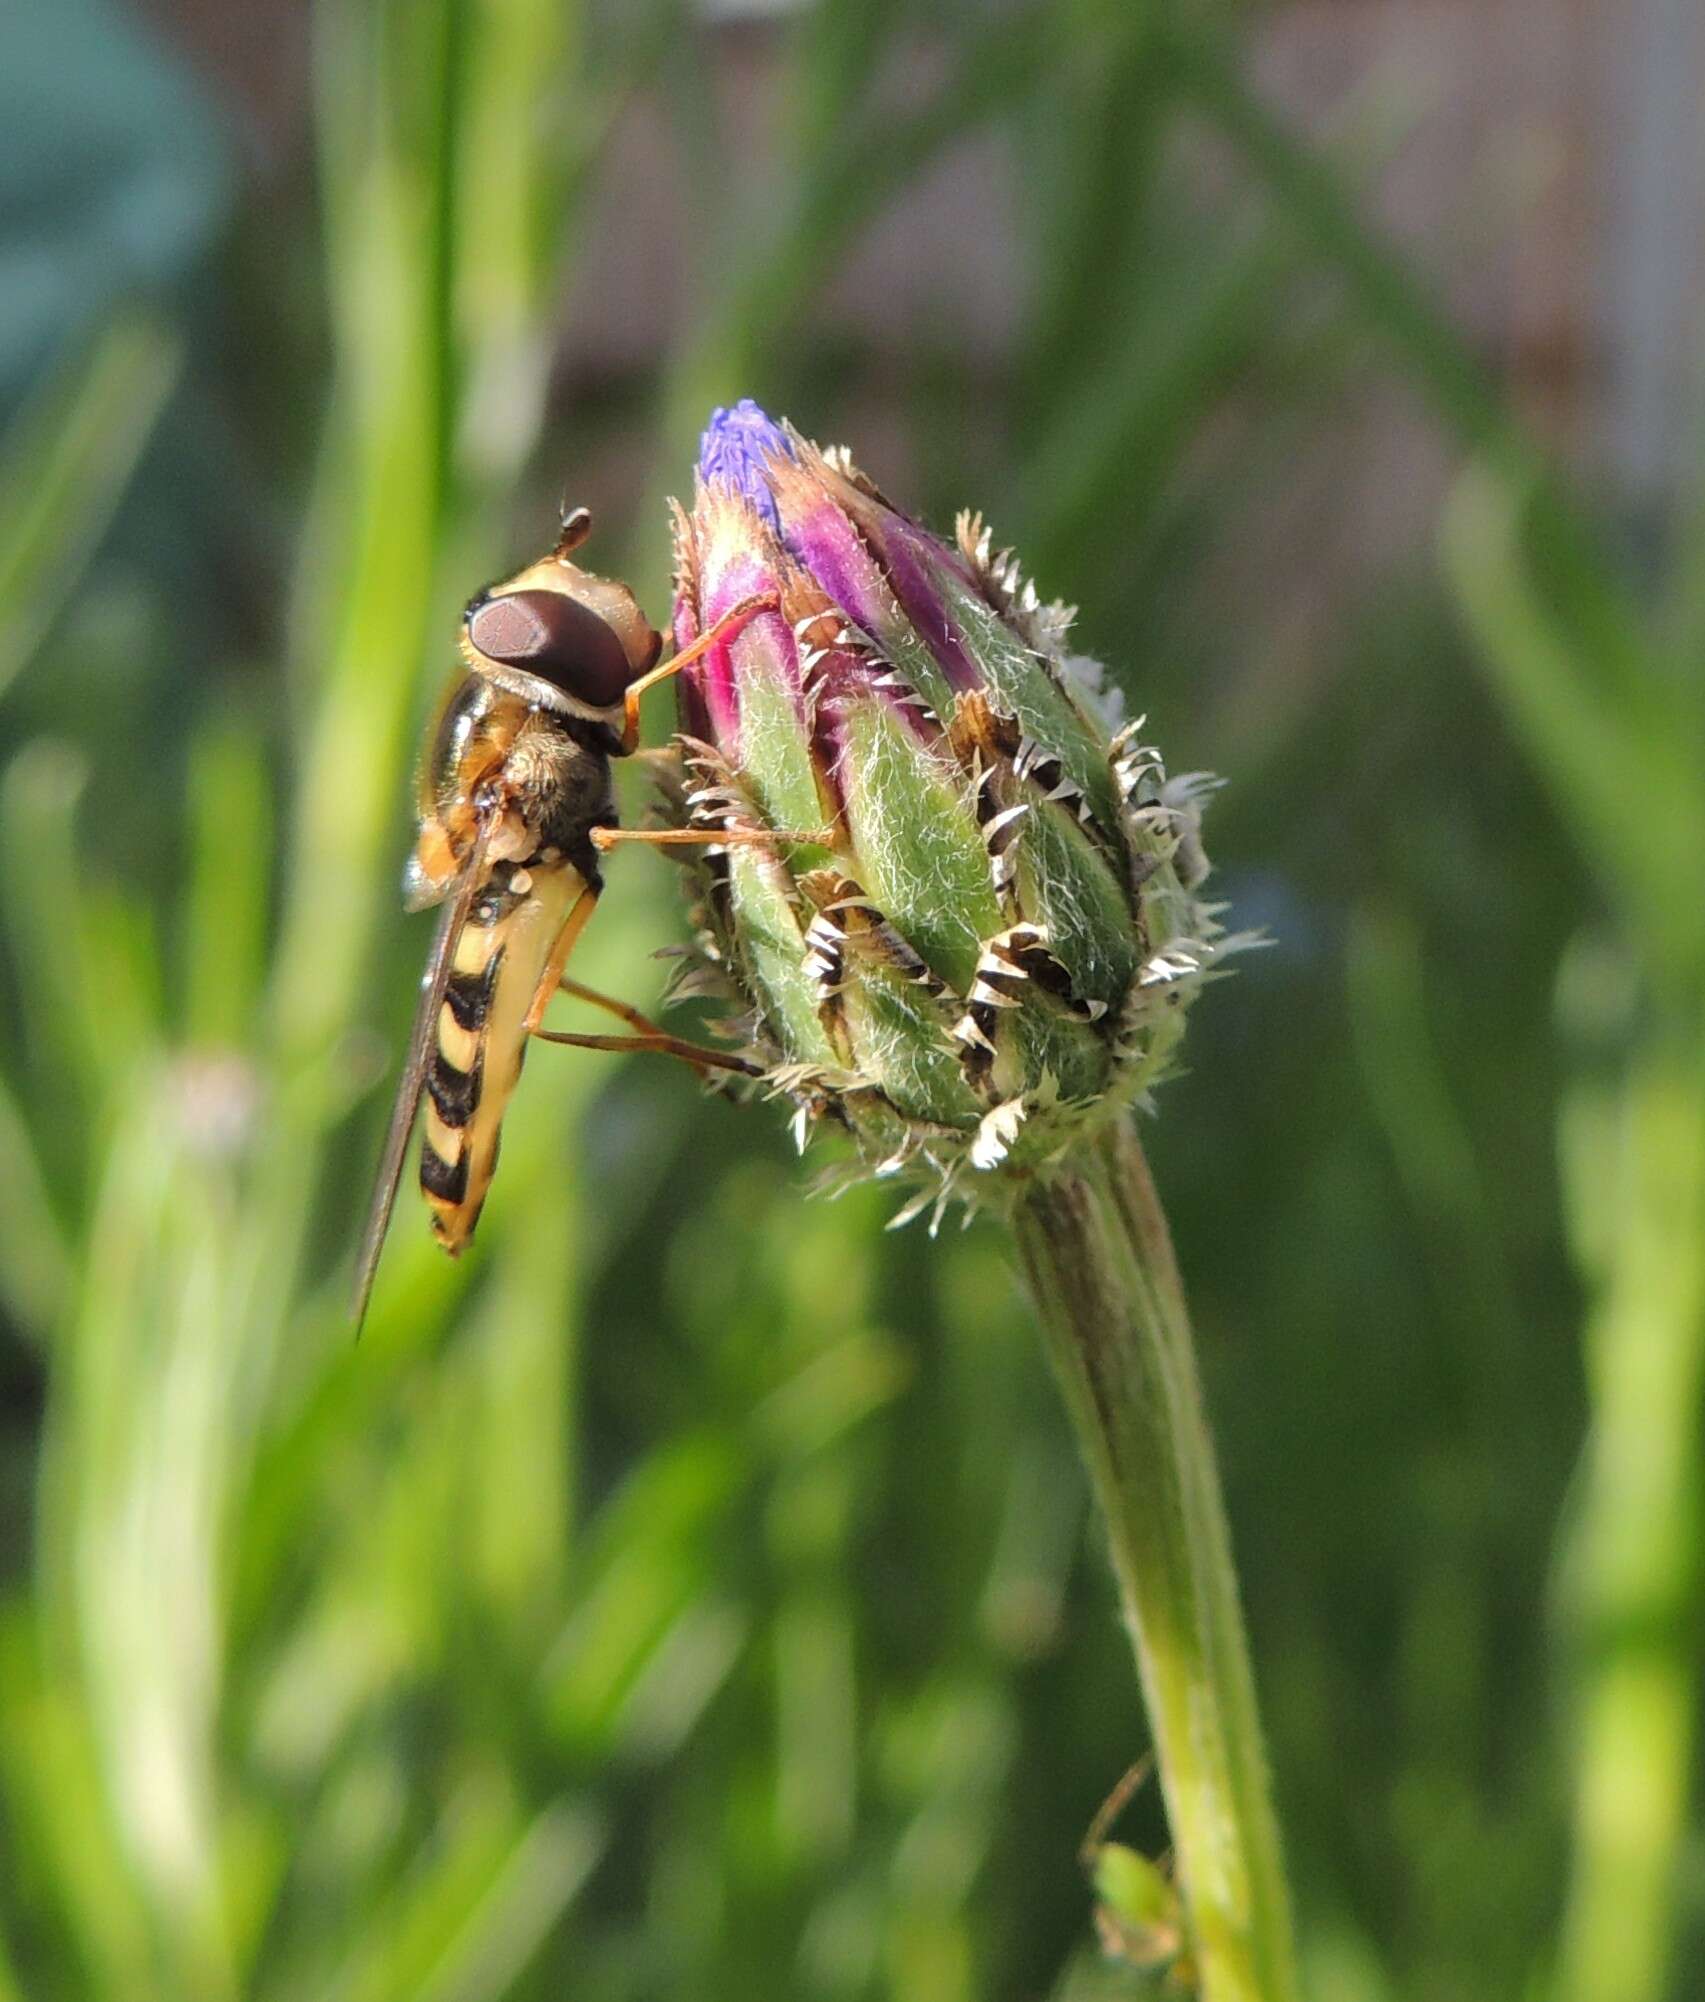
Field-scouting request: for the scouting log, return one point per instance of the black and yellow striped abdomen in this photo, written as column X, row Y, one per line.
column 481, row 1040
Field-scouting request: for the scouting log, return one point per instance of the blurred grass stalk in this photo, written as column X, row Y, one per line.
column 1098, row 1260
column 65, row 463
column 1634, row 1174
column 1614, row 726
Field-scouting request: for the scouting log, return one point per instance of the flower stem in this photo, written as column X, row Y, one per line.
column 1098, row 1261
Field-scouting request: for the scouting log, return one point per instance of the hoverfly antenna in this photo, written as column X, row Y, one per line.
column 576, row 526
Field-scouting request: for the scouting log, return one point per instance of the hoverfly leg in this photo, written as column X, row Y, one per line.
column 573, row 925
column 649, row 1037
column 730, row 622
column 577, row 990
column 695, row 1054
column 606, row 838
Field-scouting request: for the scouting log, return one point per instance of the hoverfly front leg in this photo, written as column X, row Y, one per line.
column 730, row 622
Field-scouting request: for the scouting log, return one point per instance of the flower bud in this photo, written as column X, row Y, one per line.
column 956, row 907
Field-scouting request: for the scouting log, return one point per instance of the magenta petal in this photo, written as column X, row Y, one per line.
column 735, row 557
column 709, row 707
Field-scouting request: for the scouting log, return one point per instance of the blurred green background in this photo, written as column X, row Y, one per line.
column 692, row 1595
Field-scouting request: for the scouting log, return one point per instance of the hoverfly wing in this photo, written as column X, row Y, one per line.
column 434, row 983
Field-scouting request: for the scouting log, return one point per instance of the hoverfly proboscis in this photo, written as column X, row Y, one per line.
column 516, row 804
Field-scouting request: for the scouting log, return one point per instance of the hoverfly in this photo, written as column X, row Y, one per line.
column 516, row 804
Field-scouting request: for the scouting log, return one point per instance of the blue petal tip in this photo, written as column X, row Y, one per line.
column 737, row 443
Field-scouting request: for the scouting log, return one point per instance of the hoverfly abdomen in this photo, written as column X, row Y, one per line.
column 443, row 1183
column 455, row 1093
column 479, row 1037
column 468, row 997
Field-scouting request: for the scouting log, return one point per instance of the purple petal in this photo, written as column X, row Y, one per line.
column 878, row 567
column 735, row 452
column 910, row 554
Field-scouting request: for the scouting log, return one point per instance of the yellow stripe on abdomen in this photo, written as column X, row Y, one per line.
column 481, row 1043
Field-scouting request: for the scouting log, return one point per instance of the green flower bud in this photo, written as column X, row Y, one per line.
column 957, row 905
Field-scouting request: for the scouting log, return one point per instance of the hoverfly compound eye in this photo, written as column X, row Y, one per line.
column 557, row 638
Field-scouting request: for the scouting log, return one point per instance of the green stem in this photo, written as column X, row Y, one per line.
column 1098, row 1260
column 1635, row 1172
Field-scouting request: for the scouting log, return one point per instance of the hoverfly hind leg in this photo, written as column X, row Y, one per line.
column 579, row 916
column 648, row 1035
column 696, row 1055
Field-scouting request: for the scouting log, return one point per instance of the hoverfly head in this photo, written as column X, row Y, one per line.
column 582, row 634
